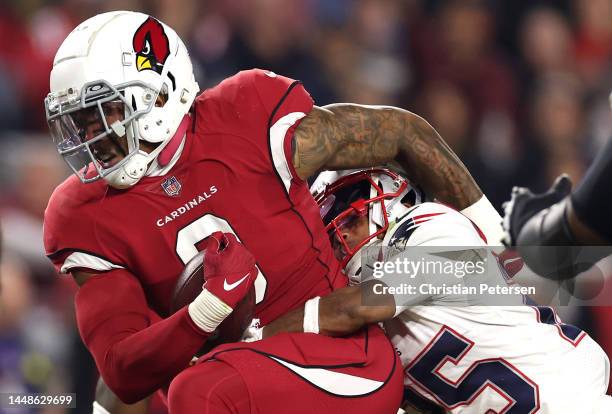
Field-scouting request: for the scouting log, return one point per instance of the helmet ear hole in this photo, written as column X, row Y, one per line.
column 409, row 198
column 162, row 98
column 413, row 196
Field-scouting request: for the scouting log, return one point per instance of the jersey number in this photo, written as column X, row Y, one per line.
column 521, row 393
column 189, row 236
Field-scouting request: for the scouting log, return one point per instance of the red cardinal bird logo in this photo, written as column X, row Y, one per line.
column 151, row 46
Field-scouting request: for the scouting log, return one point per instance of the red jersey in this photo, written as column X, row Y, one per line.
column 234, row 174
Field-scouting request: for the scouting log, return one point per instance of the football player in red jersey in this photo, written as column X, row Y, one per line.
column 164, row 170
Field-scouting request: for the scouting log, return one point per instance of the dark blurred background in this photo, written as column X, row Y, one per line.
column 518, row 88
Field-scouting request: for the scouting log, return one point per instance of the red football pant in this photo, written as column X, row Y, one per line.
column 294, row 373
column 210, row 388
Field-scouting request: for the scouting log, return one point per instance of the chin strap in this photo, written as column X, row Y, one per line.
column 174, row 143
column 136, row 167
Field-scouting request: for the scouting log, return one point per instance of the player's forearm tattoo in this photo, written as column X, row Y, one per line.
column 343, row 136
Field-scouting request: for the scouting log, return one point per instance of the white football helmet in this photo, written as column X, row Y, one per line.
column 343, row 196
column 118, row 61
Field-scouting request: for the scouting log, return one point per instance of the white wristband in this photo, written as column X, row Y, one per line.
column 208, row 311
column 98, row 409
column 483, row 214
column 311, row 315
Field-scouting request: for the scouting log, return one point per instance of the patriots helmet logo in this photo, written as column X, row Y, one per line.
column 151, row 45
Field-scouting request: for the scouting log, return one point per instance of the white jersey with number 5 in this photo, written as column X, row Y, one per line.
column 489, row 359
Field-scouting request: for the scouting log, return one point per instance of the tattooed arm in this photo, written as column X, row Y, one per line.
column 344, row 136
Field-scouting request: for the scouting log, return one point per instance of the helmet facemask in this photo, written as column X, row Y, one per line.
column 91, row 126
column 353, row 197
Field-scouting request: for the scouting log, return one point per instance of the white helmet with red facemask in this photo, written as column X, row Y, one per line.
column 343, row 197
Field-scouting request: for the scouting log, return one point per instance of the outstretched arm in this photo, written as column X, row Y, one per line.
column 547, row 231
column 345, row 136
column 339, row 313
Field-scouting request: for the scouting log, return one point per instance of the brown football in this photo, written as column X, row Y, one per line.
column 189, row 286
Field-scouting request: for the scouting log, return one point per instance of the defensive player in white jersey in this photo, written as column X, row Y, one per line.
column 457, row 359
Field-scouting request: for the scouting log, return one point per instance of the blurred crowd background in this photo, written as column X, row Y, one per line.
column 518, row 88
